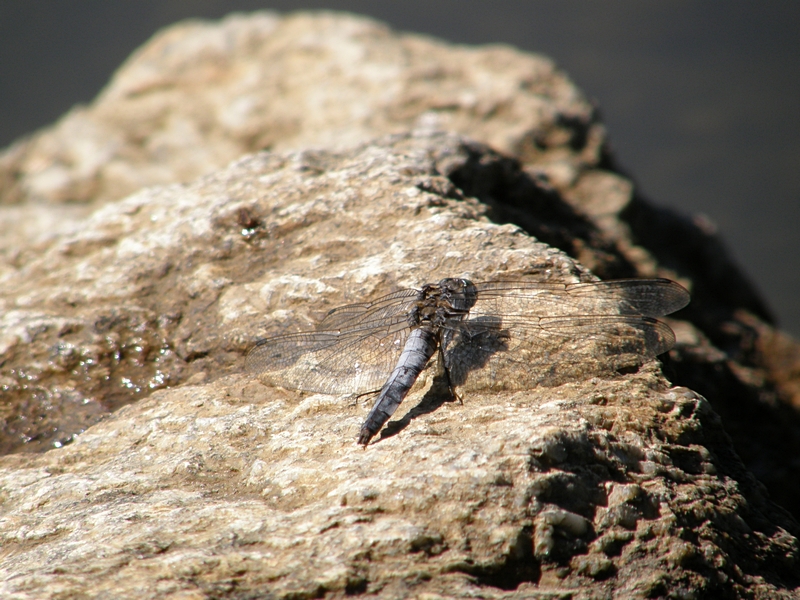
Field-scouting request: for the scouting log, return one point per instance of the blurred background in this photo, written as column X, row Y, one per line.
column 701, row 98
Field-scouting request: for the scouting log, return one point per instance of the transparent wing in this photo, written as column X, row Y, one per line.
column 369, row 314
column 353, row 350
column 519, row 335
column 523, row 333
column 648, row 297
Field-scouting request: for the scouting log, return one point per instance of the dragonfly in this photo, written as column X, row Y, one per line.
column 501, row 335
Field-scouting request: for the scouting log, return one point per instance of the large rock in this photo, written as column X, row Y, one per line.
column 201, row 94
column 621, row 485
column 226, row 487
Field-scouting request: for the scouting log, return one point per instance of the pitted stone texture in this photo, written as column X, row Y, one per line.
column 224, row 487
column 233, row 489
column 200, row 94
column 178, row 281
column 602, row 487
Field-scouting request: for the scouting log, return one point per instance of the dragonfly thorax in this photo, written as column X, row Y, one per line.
column 437, row 303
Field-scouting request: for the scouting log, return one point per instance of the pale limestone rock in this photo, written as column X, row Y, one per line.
column 199, row 95
column 224, row 486
column 174, row 281
column 234, row 489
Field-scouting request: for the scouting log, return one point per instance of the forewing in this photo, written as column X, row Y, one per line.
column 369, row 314
column 648, row 297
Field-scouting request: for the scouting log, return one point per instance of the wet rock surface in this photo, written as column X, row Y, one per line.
column 212, row 484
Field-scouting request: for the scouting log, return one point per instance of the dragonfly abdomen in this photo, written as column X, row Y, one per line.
column 419, row 348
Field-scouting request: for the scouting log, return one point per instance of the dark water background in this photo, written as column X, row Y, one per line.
column 701, row 98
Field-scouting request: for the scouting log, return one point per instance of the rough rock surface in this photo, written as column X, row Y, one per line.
column 201, row 94
column 225, row 487
column 205, row 488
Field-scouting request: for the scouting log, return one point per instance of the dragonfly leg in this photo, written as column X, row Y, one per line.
column 443, row 372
